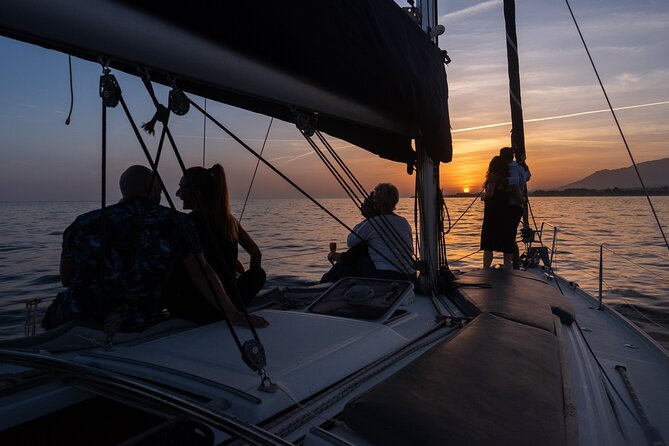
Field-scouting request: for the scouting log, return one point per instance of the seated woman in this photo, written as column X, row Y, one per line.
column 205, row 192
column 380, row 246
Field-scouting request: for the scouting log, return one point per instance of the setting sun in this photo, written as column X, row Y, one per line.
column 466, row 190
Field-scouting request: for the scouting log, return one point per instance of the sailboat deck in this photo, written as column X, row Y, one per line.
column 305, row 353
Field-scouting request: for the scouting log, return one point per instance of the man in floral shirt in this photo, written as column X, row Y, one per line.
column 142, row 242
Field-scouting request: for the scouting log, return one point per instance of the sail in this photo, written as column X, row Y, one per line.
column 368, row 71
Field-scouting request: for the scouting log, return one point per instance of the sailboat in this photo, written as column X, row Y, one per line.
column 486, row 357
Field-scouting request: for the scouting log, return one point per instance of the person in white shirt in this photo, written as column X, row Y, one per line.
column 518, row 176
column 381, row 246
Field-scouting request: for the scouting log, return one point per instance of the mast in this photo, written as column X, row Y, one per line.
column 427, row 179
column 517, row 129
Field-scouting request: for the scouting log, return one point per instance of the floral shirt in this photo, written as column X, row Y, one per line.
column 141, row 244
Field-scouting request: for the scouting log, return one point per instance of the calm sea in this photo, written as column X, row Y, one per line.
column 294, row 235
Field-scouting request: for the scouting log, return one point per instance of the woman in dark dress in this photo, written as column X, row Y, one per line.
column 205, row 192
column 498, row 233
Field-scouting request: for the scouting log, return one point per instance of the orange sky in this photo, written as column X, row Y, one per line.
column 567, row 135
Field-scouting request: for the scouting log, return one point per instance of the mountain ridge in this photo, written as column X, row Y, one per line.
column 655, row 174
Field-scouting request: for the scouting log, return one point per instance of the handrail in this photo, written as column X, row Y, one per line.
column 599, row 276
column 622, row 256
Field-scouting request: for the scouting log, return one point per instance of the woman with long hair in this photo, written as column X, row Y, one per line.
column 498, row 233
column 205, row 193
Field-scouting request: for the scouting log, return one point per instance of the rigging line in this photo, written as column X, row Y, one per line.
column 149, row 127
column 248, row 192
column 378, row 226
column 341, row 164
column 468, row 255
column 69, row 115
column 281, row 174
column 615, row 118
column 397, row 236
column 536, row 228
column 448, row 216
column 171, row 203
column 553, row 260
column 204, row 137
column 347, row 188
column 183, row 170
column 415, row 217
column 463, row 214
column 351, row 193
column 103, row 199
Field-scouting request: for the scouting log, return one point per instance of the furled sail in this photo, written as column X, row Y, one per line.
column 368, row 71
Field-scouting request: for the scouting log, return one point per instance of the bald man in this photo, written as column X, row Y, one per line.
column 142, row 242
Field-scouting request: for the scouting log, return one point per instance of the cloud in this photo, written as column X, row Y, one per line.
column 570, row 115
column 472, row 10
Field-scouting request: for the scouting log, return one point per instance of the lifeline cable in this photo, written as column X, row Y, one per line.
column 620, row 130
column 638, row 265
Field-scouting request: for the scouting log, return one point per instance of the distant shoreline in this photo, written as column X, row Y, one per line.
column 614, row 192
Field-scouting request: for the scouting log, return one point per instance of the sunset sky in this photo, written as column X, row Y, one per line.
column 569, row 133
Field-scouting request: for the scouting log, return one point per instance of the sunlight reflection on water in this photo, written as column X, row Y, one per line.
column 294, row 235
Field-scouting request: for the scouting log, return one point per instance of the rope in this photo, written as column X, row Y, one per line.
column 534, row 222
column 103, row 199
column 378, row 226
column 248, row 192
column 281, row 174
column 620, row 130
column 468, row 255
column 451, row 226
column 183, row 170
column 398, row 238
column 69, row 115
column 171, row 203
column 204, row 135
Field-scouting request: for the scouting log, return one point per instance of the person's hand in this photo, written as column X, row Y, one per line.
column 334, row 256
column 257, row 321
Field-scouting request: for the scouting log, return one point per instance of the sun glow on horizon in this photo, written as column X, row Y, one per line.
column 465, row 190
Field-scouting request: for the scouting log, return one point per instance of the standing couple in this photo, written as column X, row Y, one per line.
column 505, row 199
column 128, row 261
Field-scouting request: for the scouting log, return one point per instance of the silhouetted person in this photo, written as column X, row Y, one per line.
column 380, row 246
column 498, row 233
column 519, row 175
column 205, row 192
column 116, row 261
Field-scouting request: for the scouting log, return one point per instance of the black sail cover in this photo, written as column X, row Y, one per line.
column 364, row 67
